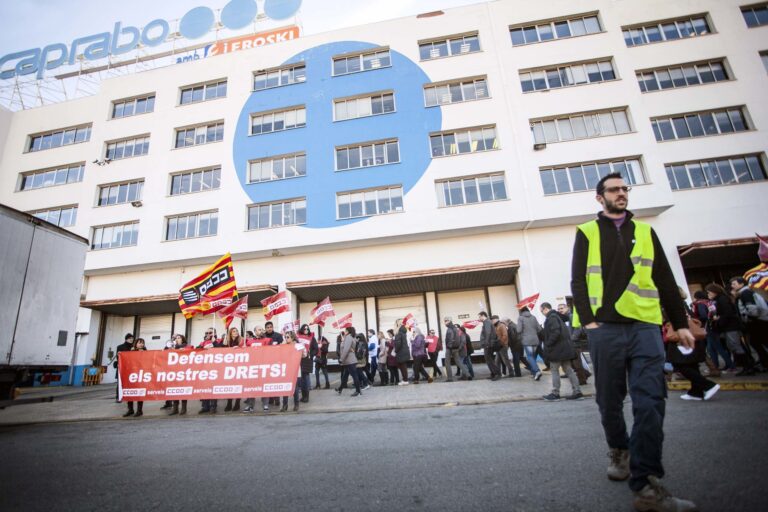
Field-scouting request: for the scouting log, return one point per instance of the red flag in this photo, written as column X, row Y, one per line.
column 409, row 321
column 276, row 304
column 471, row 324
column 211, row 290
column 343, row 322
column 323, row 310
column 237, row 309
column 528, row 302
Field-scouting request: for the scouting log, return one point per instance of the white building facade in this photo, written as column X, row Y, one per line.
column 433, row 165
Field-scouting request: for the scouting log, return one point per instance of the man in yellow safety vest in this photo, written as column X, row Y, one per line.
column 620, row 280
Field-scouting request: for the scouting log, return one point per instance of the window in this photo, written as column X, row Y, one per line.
column 195, row 181
column 567, row 75
column 72, row 173
column 268, row 122
column 120, row 193
column 466, row 140
column 755, row 15
column 684, row 75
column 584, row 176
column 134, row 106
column 455, row 91
column 117, row 235
column 690, row 26
column 581, row 126
column 364, row 203
column 57, row 138
column 366, row 61
column 450, row 46
column 275, row 215
column 203, row 92
column 712, row 173
column 193, row 225
column 63, row 217
column 367, row 155
column 202, row 134
column 699, row 124
column 548, row 30
column 764, row 57
column 363, row 107
column 471, row 189
column 277, row 168
column 278, row 77
column 127, row 148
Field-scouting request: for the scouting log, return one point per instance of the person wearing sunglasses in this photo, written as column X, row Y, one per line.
column 620, row 280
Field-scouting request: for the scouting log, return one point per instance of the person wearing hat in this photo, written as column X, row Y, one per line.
column 124, row 346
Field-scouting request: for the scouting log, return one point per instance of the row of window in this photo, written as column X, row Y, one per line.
column 682, row 76
column 127, row 148
column 581, row 126
column 197, row 135
column 567, row 75
column 521, row 34
column 695, row 174
column 450, row 192
column 699, row 124
column 72, row 173
column 58, row 138
column 64, row 216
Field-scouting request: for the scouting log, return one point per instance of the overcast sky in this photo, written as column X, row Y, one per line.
column 28, row 24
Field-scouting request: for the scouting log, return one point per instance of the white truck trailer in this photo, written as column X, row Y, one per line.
column 41, row 274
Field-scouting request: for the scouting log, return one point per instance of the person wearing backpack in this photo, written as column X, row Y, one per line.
column 348, row 359
column 419, row 353
column 453, row 339
column 726, row 323
column 703, row 309
column 466, row 350
column 754, row 314
column 557, row 343
column 361, row 353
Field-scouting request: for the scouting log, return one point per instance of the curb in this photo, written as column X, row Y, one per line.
column 684, row 385
column 490, row 401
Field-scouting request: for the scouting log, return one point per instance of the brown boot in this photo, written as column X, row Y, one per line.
column 618, row 470
column 714, row 371
column 655, row 497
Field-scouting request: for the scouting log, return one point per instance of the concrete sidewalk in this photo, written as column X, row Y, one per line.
column 97, row 403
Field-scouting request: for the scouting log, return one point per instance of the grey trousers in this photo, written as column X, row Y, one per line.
column 455, row 354
column 555, row 366
column 504, row 356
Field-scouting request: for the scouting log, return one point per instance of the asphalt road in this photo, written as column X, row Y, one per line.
column 526, row 456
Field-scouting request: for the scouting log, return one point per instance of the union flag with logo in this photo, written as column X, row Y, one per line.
column 343, row 322
column 323, row 310
column 212, row 290
column 276, row 304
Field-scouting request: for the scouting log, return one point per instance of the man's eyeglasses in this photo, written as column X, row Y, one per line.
column 614, row 190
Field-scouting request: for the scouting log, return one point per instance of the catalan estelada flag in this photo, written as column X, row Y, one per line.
column 212, row 290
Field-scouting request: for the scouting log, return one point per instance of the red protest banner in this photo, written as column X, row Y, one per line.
column 208, row 374
column 276, row 304
column 528, row 302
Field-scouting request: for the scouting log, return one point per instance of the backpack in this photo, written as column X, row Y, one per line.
column 456, row 341
column 761, row 307
column 361, row 347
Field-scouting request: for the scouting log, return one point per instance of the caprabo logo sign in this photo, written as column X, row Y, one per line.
column 194, row 24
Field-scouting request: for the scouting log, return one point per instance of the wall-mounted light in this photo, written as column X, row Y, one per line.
column 137, row 204
column 539, row 146
column 103, row 162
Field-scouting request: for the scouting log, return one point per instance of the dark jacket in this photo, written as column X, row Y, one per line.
column 306, row 362
column 277, row 338
column 615, row 248
column 488, row 334
column 728, row 315
column 557, row 338
column 123, row 347
column 515, row 343
column 401, row 345
column 451, row 341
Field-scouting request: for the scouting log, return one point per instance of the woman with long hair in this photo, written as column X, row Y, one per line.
column 727, row 324
column 138, row 345
column 382, row 360
column 394, row 373
column 179, row 343
column 321, row 362
column 289, row 338
column 233, row 339
column 306, row 361
column 419, row 353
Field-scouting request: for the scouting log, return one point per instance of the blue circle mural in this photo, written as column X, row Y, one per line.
column 238, row 13
column 410, row 124
column 197, row 22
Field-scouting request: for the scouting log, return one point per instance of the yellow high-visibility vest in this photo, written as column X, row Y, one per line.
column 640, row 299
